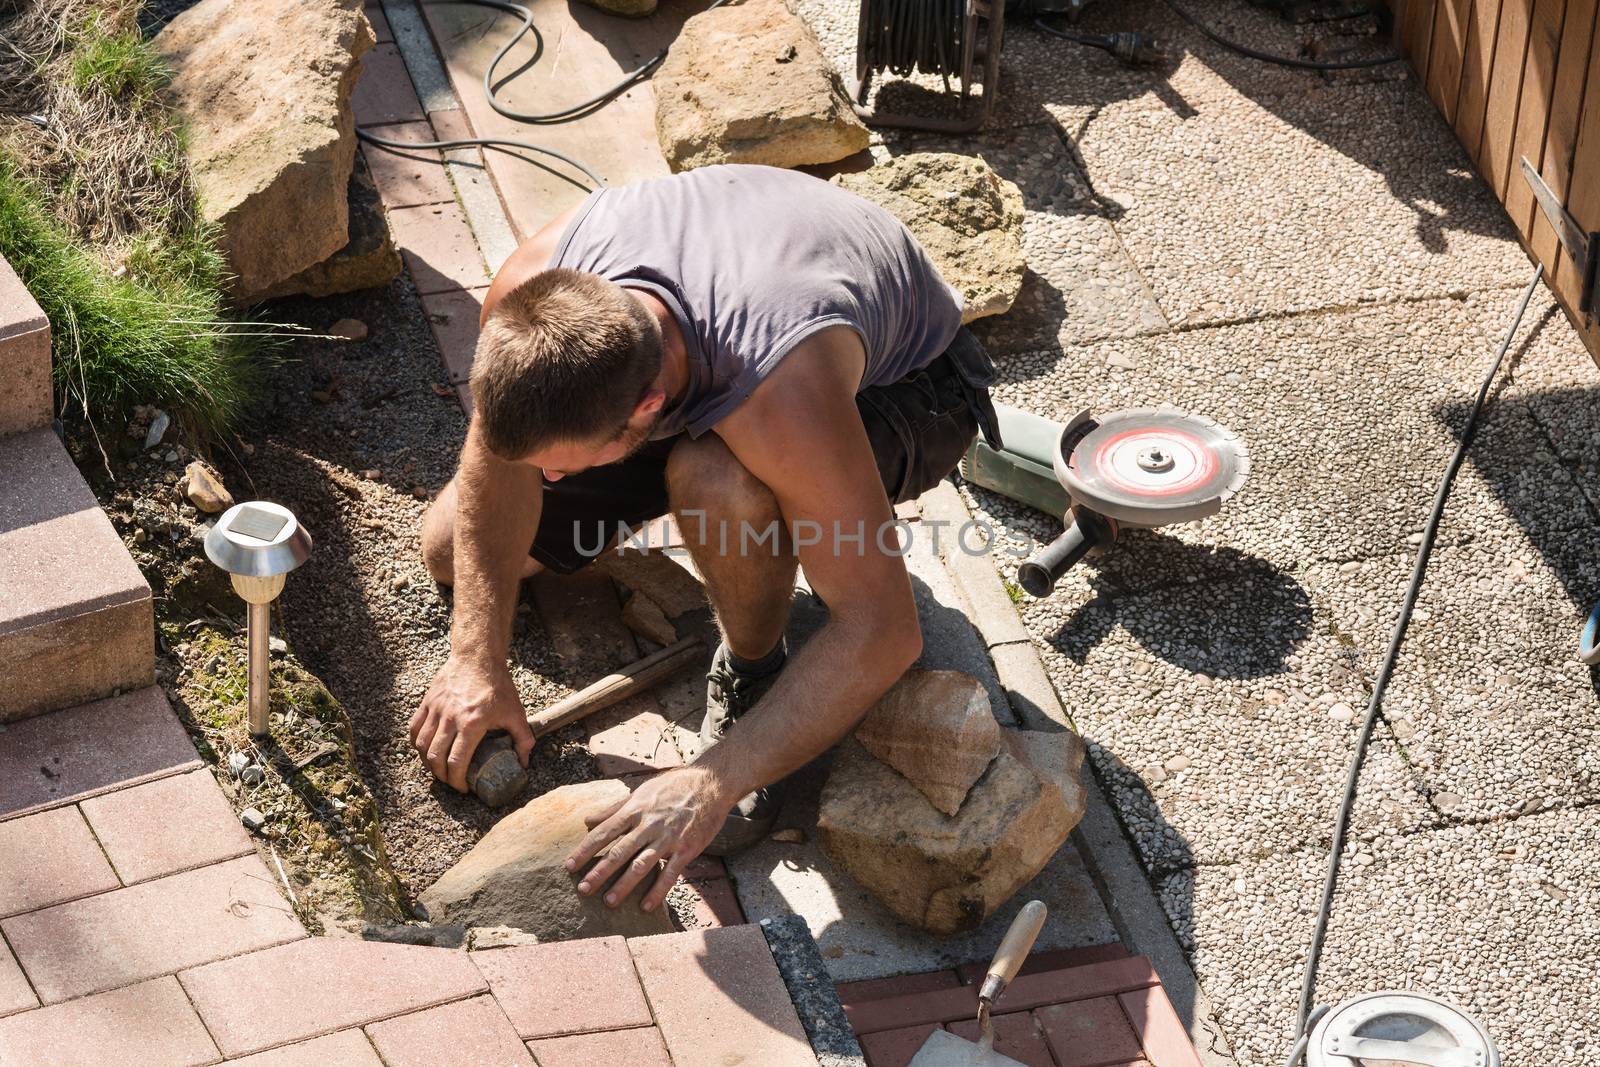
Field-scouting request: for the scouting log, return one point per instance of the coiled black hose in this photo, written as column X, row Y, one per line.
column 901, row 36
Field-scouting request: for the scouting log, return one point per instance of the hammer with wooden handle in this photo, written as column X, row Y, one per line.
column 495, row 775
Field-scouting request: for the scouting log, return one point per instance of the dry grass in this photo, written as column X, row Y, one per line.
column 80, row 113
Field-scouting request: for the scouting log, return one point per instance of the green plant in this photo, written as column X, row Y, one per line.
column 155, row 334
column 116, row 63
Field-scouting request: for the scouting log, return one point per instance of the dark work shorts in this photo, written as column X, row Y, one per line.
column 919, row 428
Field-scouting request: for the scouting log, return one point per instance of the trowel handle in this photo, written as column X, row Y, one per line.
column 1013, row 949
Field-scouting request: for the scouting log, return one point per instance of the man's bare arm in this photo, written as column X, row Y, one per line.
column 801, row 435
column 497, row 515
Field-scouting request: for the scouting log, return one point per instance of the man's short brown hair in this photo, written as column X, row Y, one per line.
column 565, row 356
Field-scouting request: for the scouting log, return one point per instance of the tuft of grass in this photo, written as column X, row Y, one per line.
column 155, row 334
column 117, row 64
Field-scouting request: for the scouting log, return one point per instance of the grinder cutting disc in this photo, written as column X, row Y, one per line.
column 1151, row 466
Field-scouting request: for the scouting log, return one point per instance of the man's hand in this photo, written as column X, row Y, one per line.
column 466, row 701
column 669, row 819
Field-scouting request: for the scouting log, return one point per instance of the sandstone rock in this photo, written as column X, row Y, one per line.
column 513, row 876
column 205, row 490
column 265, row 92
column 349, row 330
column 370, row 259
column 748, row 83
column 946, row 874
column 936, row 728
column 967, row 217
column 644, row 617
column 658, row 576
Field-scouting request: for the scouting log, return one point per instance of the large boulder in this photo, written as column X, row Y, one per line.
column 368, row 260
column 513, row 876
column 265, row 93
column 943, row 873
column 967, row 217
column 936, row 728
column 748, row 83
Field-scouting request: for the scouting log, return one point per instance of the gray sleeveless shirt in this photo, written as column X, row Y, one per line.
column 753, row 260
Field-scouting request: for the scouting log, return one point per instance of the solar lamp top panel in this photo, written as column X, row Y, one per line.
column 256, row 523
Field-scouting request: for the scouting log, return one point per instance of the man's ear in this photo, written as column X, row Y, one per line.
column 650, row 403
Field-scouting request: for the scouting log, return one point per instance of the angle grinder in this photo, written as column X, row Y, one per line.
column 1132, row 468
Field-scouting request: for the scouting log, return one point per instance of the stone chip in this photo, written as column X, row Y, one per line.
column 936, row 728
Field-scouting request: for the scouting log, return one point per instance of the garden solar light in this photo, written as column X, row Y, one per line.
column 258, row 543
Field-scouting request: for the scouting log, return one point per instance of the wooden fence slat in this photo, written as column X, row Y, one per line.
column 1414, row 31
column 1505, row 94
column 1533, row 113
column 1476, row 64
column 1561, row 134
column 1444, row 56
column 1583, row 192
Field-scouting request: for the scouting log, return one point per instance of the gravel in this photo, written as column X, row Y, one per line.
column 363, row 613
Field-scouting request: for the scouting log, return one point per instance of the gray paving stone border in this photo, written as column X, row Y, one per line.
column 1107, row 853
column 815, row 1000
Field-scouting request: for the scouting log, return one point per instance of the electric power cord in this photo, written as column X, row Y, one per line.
column 490, row 86
column 1133, row 49
column 1268, row 57
column 1306, row 1018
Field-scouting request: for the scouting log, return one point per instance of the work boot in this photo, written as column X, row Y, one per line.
column 731, row 692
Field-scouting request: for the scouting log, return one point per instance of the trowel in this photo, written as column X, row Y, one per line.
column 944, row 1049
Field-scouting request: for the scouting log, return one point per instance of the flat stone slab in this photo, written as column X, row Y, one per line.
column 583, row 51
column 1494, row 711
column 1497, row 917
column 1214, row 715
column 1324, row 199
column 859, row 938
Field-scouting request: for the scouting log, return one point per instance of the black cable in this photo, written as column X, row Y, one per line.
column 566, row 114
column 1268, row 57
column 1132, row 49
column 1319, row 933
column 902, row 36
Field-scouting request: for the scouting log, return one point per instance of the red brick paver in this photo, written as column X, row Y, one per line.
column 150, row 1024
column 566, row 987
column 715, row 903
column 1052, row 960
column 385, row 94
column 153, row 928
column 347, row 1048
column 468, row 1033
column 904, row 985
column 1016, row 1035
column 717, row 996
column 167, row 825
column 318, row 985
column 894, row 1048
column 15, row 993
column 1166, row 1042
column 439, row 248
column 642, row 1047
column 408, row 178
column 1089, row 1033
column 49, row 858
column 453, row 318
column 75, row 746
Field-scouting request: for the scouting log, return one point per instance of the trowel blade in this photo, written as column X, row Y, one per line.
column 944, row 1049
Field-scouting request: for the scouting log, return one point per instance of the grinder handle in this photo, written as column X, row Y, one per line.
column 1013, row 949
column 1038, row 575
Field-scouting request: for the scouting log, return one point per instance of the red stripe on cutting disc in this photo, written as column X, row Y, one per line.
column 1202, row 472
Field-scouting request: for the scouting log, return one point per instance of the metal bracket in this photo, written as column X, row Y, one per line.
column 1582, row 245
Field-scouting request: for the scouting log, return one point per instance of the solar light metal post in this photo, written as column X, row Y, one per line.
column 258, row 543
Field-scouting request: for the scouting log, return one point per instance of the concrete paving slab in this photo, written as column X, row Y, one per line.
column 859, row 939
column 1344, row 460
column 1080, row 286
column 1500, row 918
column 581, row 52
column 1495, row 713
column 1212, row 714
column 1368, row 200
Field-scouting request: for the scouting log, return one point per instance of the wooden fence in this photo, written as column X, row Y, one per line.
column 1519, row 78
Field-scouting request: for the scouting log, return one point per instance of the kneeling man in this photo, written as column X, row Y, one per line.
column 774, row 360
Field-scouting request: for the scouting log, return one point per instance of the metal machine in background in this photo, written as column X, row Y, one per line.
column 1137, row 467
